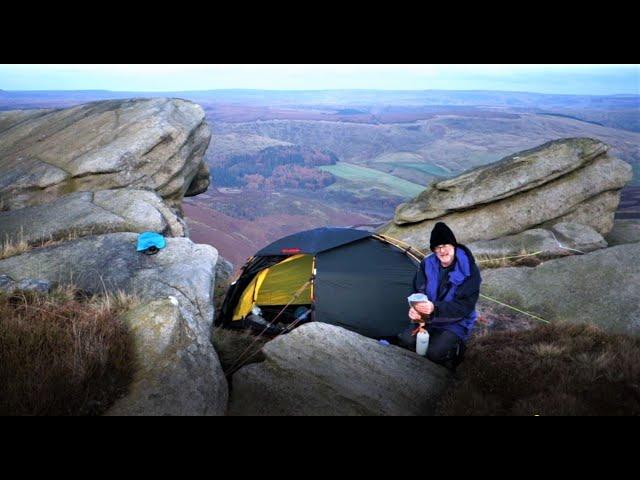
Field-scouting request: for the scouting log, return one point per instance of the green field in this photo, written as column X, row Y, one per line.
column 368, row 178
column 421, row 167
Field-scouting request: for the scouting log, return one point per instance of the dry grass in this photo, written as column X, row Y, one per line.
column 548, row 370
column 522, row 259
column 12, row 247
column 63, row 353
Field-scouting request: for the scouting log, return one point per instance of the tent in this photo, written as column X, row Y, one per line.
column 351, row 278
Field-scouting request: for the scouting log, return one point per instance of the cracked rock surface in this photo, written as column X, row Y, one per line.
column 157, row 144
column 86, row 213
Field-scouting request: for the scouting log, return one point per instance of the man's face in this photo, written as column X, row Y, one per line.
column 445, row 253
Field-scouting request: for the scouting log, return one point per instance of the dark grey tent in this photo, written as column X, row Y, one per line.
column 351, row 278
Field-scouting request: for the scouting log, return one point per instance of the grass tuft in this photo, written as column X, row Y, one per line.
column 559, row 369
column 63, row 353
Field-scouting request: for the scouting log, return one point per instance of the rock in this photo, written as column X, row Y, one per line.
column 110, row 262
column 172, row 377
column 11, row 118
column 587, row 195
column 321, row 369
column 624, row 231
column 31, row 285
column 137, row 207
column 182, row 270
column 512, row 175
column 597, row 212
column 7, row 285
column 88, row 213
column 201, row 181
column 601, row 287
column 224, row 272
column 563, row 239
column 155, row 144
column 578, row 237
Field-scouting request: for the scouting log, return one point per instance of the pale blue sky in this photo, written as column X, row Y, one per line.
column 556, row 78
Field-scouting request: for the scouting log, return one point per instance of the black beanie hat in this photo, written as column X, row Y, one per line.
column 442, row 235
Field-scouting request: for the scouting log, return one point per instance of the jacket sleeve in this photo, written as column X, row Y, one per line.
column 464, row 301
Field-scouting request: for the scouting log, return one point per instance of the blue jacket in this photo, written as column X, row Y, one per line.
column 456, row 302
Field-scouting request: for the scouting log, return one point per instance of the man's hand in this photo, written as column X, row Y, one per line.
column 424, row 308
column 415, row 316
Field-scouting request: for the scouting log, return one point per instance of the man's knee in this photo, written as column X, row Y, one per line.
column 446, row 349
column 439, row 353
column 406, row 339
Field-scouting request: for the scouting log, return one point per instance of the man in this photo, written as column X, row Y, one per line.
column 451, row 279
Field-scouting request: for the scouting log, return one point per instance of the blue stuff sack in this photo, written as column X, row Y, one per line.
column 150, row 242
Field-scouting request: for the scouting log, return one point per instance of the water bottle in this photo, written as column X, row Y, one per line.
column 422, row 342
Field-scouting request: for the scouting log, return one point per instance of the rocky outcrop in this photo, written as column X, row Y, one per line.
column 512, row 175
column 602, row 287
column 172, row 376
column 321, row 369
column 77, row 175
column 561, row 240
column 156, row 144
column 569, row 180
column 182, row 270
column 624, row 231
column 90, row 213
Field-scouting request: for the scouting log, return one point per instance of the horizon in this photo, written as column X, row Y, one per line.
column 552, row 79
column 322, row 90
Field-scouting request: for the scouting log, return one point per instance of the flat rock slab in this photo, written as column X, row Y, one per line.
column 90, row 213
column 321, row 369
column 601, row 287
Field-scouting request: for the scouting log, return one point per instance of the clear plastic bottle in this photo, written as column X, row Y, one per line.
column 422, row 342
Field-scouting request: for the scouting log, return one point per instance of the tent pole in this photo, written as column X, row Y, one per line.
column 399, row 244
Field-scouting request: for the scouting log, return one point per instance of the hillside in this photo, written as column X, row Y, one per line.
column 239, row 224
column 444, row 145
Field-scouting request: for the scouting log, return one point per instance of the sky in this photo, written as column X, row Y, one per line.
column 605, row 79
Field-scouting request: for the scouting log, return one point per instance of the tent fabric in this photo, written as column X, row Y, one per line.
column 361, row 281
column 277, row 285
column 314, row 241
column 364, row 286
column 233, row 298
column 248, row 296
column 284, row 280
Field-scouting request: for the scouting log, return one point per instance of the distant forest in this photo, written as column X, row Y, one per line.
column 275, row 167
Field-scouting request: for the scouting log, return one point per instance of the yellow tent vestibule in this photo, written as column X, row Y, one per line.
column 277, row 285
